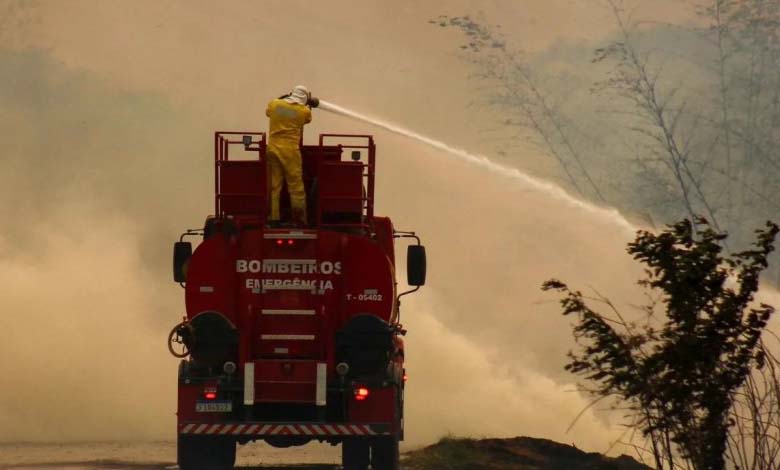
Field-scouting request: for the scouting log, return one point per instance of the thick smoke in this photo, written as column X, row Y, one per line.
column 89, row 299
column 109, row 117
column 91, row 189
column 483, row 340
column 82, row 358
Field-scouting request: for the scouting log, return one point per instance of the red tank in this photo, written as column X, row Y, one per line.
column 292, row 334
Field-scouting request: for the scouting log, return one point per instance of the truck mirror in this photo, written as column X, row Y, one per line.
column 356, row 155
column 415, row 265
column 182, row 251
column 247, row 140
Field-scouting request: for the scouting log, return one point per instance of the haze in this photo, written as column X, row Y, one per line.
column 108, row 109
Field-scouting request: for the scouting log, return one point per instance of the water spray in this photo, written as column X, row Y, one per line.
column 484, row 162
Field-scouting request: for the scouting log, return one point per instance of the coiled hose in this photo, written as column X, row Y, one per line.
column 181, row 334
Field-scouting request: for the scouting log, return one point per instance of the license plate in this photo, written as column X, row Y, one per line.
column 214, row 407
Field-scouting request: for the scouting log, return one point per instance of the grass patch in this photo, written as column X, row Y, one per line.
column 453, row 453
column 519, row 453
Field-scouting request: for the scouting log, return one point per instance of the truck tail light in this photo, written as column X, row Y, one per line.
column 361, row 393
column 210, row 393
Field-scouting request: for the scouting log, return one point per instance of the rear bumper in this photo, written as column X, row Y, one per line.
column 313, row 430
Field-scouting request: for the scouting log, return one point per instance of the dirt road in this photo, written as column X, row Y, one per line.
column 155, row 456
column 134, row 466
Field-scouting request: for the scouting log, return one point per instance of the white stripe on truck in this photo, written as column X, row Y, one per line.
column 287, row 337
column 249, row 383
column 290, row 235
column 271, row 311
column 322, row 377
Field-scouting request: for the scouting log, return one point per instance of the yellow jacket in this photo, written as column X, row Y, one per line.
column 286, row 122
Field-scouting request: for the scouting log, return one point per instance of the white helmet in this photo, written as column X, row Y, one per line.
column 300, row 94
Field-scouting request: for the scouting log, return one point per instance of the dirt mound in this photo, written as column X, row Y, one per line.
column 519, row 453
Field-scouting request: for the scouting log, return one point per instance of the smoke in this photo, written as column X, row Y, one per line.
column 497, row 214
column 109, row 158
column 455, row 387
column 520, row 177
column 484, row 344
column 80, row 357
column 91, row 195
column 89, row 298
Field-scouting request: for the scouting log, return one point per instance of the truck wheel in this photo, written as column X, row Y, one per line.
column 385, row 454
column 204, row 453
column 354, row 454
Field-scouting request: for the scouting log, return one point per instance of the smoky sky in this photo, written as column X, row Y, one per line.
column 108, row 111
column 104, row 180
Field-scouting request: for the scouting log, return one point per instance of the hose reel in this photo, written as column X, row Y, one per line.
column 209, row 337
column 184, row 335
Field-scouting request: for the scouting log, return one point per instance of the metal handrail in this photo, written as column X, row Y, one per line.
column 221, row 154
column 223, row 141
column 371, row 166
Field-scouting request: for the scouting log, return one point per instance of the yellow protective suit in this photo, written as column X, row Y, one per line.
column 286, row 121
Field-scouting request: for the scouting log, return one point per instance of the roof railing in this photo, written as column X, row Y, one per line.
column 256, row 142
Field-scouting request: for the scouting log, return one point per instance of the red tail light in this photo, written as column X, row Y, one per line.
column 210, row 393
column 291, row 242
column 361, row 393
column 279, row 242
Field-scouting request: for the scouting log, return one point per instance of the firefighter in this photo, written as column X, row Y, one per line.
column 287, row 115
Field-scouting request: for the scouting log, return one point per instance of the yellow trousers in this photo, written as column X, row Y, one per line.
column 284, row 164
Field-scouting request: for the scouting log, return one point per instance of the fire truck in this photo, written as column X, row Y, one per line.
column 292, row 334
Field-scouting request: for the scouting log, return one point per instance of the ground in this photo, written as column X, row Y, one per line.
column 521, row 453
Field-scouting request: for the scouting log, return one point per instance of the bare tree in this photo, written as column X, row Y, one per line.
column 515, row 88
column 709, row 140
column 694, row 128
column 754, row 435
column 660, row 117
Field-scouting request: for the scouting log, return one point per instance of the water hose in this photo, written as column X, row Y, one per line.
column 181, row 334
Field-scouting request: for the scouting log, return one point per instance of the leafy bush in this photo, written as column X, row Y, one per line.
column 680, row 373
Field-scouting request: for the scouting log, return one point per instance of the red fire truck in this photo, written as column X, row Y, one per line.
column 292, row 334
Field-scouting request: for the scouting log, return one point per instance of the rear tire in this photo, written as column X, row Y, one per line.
column 206, row 453
column 385, row 454
column 354, row 454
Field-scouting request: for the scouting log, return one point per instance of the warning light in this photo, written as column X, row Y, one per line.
column 361, row 393
column 210, row 393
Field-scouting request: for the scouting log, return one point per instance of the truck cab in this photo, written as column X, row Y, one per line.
column 292, row 334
